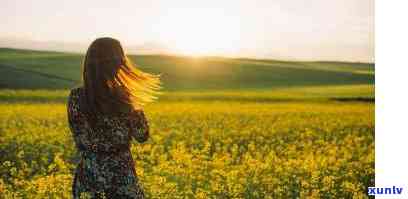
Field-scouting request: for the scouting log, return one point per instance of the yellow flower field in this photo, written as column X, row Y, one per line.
column 205, row 149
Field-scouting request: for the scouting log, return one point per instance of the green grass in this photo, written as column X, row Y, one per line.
column 314, row 93
column 23, row 69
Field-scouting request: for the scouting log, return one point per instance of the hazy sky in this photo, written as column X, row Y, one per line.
column 298, row 29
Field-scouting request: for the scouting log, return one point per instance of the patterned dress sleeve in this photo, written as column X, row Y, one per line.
column 77, row 122
column 139, row 128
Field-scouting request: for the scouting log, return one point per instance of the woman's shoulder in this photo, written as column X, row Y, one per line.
column 75, row 93
column 76, row 90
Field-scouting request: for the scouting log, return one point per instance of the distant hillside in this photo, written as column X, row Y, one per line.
column 26, row 69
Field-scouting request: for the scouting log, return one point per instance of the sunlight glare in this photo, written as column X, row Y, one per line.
column 201, row 32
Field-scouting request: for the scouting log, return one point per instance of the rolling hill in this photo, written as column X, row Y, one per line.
column 27, row 69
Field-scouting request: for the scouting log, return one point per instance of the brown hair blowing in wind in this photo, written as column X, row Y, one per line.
column 112, row 83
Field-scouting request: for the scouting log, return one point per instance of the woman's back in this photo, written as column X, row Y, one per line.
column 106, row 166
column 101, row 129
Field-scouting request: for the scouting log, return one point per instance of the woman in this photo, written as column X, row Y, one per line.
column 104, row 115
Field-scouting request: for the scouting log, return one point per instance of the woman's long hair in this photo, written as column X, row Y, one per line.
column 112, row 83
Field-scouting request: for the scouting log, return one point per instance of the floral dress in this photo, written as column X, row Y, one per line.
column 106, row 168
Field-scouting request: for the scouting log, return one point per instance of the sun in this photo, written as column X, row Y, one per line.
column 200, row 32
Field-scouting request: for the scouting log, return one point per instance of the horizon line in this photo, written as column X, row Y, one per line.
column 199, row 56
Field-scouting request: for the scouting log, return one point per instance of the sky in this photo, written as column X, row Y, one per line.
column 341, row 30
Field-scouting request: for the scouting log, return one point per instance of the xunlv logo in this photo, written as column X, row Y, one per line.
column 384, row 190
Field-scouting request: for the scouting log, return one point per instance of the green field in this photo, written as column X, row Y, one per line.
column 51, row 70
column 223, row 128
